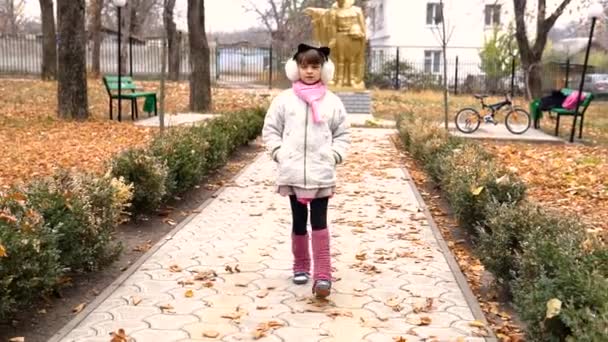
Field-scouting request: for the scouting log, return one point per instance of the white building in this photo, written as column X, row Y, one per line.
column 414, row 26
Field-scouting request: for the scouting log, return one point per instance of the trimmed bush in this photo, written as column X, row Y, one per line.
column 83, row 211
column 539, row 256
column 184, row 152
column 29, row 258
column 562, row 262
column 472, row 181
column 146, row 173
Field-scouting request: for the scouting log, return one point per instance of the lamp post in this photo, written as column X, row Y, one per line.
column 596, row 11
column 119, row 5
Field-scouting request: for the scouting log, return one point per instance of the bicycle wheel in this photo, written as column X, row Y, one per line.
column 518, row 121
column 468, row 120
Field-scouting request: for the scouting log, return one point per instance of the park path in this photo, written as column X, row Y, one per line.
column 394, row 274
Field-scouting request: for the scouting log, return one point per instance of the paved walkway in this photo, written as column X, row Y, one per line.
column 225, row 274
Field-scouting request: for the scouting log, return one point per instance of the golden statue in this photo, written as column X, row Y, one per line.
column 342, row 28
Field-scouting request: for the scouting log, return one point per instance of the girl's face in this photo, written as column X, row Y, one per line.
column 310, row 73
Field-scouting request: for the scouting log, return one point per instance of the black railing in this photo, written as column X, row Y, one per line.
column 249, row 66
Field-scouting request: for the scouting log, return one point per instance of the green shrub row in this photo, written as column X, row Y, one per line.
column 183, row 157
column 545, row 259
column 63, row 224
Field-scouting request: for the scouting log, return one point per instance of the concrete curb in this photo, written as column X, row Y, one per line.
column 458, row 275
column 71, row 325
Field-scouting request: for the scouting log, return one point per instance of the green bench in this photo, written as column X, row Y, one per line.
column 129, row 91
column 537, row 114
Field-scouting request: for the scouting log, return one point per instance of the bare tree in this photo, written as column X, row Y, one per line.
column 200, row 80
column 49, row 40
column 444, row 35
column 531, row 52
column 174, row 40
column 11, row 16
column 95, row 32
column 72, row 68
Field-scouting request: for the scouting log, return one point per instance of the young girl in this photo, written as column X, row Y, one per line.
column 307, row 134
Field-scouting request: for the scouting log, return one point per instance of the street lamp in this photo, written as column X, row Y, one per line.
column 596, row 10
column 119, row 5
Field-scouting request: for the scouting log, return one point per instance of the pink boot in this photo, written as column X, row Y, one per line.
column 301, row 258
column 322, row 263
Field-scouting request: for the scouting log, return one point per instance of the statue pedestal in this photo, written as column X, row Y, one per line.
column 356, row 101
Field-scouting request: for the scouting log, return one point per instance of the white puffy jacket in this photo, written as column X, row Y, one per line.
column 307, row 152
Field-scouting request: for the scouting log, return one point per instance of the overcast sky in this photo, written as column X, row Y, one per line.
column 230, row 15
column 222, row 15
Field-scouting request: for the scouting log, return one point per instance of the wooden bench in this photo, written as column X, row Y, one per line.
column 129, row 91
column 558, row 112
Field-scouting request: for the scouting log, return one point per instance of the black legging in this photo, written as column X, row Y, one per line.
column 299, row 214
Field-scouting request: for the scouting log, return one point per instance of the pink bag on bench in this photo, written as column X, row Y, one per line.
column 571, row 100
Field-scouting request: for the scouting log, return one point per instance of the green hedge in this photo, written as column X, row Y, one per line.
column 538, row 255
column 65, row 223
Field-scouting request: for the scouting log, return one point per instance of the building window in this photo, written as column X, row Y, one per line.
column 492, row 15
column 433, row 14
column 432, row 61
column 380, row 17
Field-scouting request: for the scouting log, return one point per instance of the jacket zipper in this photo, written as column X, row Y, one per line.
column 305, row 143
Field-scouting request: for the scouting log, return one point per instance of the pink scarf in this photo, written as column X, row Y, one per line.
column 312, row 94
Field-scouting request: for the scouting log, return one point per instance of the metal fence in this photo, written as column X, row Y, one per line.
column 247, row 66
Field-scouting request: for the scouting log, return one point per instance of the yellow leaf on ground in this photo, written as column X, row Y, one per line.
column 136, row 300
column 3, row 252
column 189, row 294
column 554, row 307
column 211, row 334
column 477, row 191
column 477, row 324
column 78, row 308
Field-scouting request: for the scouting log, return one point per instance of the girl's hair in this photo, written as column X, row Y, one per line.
column 310, row 57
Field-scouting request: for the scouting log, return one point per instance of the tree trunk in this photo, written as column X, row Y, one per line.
column 174, row 40
column 95, row 30
column 72, row 65
column 200, row 82
column 125, row 35
column 49, row 41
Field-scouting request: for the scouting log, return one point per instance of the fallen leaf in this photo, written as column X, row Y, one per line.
column 78, row 308
column 237, row 269
column 175, row 268
column 228, row 269
column 170, row 222
column 477, row 191
column 207, row 275
column 136, row 300
column 554, row 307
column 263, row 328
column 185, row 282
column 143, row 247
column 211, row 334
column 262, row 294
column 360, row 256
column 333, row 313
column 3, row 252
column 167, row 308
column 119, row 336
column 425, row 320
column 189, row 294
column 399, row 339
column 261, row 307
column 477, row 324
